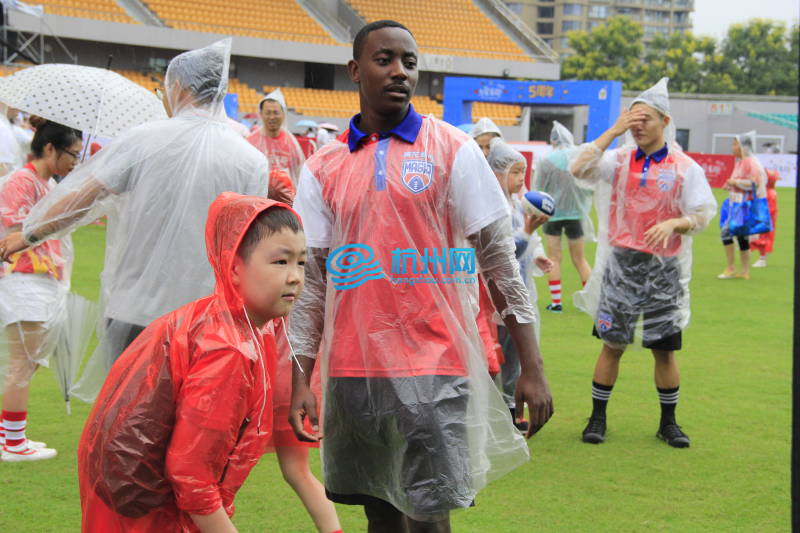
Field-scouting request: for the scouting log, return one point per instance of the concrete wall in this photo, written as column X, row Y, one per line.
column 694, row 113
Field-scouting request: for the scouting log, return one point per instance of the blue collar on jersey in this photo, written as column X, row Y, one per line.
column 408, row 129
column 658, row 155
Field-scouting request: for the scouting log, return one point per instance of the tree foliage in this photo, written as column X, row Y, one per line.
column 757, row 57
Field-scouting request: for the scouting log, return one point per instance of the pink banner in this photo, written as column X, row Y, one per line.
column 718, row 167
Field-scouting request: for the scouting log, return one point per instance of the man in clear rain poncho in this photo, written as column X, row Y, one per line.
column 277, row 143
column 155, row 184
column 650, row 198
column 571, row 218
column 397, row 213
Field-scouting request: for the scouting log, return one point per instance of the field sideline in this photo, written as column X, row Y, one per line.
column 735, row 405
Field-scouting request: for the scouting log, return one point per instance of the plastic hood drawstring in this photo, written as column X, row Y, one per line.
column 260, row 356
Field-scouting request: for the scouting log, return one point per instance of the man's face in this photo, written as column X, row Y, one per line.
column 386, row 70
column 271, row 278
column 272, row 116
column 650, row 131
column 484, row 140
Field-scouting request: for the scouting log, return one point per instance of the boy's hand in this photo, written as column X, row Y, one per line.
column 304, row 404
column 544, row 263
column 533, row 222
column 11, row 244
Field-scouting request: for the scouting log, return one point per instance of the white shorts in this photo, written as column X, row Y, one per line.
column 28, row 298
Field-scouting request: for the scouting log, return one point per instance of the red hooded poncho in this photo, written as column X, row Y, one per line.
column 186, row 411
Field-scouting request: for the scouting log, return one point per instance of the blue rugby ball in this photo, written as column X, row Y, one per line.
column 535, row 203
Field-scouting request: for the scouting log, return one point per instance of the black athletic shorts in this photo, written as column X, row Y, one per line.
column 640, row 284
column 572, row 228
column 408, row 433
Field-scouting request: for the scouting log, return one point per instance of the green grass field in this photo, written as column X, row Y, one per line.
column 735, row 405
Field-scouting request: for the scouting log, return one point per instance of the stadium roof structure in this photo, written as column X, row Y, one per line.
column 538, row 62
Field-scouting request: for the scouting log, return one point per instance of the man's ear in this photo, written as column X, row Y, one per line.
column 352, row 70
column 667, row 120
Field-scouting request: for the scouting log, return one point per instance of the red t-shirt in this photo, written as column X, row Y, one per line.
column 283, row 152
column 18, row 194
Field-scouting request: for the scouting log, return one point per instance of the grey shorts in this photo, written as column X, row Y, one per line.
column 390, row 438
column 640, row 284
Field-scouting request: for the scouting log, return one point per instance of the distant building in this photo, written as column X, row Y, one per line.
column 553, row 19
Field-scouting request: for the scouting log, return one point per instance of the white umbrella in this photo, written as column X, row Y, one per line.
column 94, row 100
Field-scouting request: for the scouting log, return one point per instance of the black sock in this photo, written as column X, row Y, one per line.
column 669, row 401
column 600, row 397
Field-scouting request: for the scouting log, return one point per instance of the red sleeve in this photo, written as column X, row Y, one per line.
column 210, row 413
column 17, row 198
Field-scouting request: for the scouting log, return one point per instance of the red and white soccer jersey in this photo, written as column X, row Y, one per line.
column 649, row 190
column 416, row 192
column 283, row 152
column 18, row 194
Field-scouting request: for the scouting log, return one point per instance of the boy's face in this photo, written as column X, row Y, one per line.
column 650, row 131
column 270, row 280
column 386, row 71
column 516, row 177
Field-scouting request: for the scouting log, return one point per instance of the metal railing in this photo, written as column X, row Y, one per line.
column 536, row 42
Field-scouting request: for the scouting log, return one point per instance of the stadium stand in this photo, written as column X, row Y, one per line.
column 266, row 19
column 452, row 27
column 343, row 104
column 107, row 10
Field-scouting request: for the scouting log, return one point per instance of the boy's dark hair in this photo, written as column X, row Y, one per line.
column 361, row 36
column 265, row 224
column 49, row 132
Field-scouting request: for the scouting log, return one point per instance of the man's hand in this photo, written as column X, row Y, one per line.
column 304, row 404
column 544, row 263
column 11, row 244
column 659, row 235
column 533, row 389
column 534, row 221
column 281, row 188
column 626, row 120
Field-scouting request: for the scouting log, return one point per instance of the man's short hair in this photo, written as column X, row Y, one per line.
column 361, row 36
column 268, row 222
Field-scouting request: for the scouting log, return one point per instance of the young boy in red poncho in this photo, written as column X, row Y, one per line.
column 186, row 411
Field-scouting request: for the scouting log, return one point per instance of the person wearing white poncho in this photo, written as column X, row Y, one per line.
column 483, row 132
column 509, row 166
column 573, row 204
column 650, row 197
column 155, row 183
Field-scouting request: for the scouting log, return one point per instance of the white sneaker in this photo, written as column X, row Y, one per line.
column 760, row 263
column 31, row 454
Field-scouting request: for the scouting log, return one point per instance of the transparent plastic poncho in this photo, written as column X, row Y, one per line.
column 155, row 184
column 552, row 175
column 282, row 150
column 638, row 289
column 527, row 247
column 395, row 231
column 187, row 412
column 748, row 173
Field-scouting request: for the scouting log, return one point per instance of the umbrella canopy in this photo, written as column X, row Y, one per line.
column 305, row 123
column 72, row 340
column 90, row 99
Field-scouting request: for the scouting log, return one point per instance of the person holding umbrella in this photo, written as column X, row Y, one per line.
column 32, row 284
column 155, row 183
